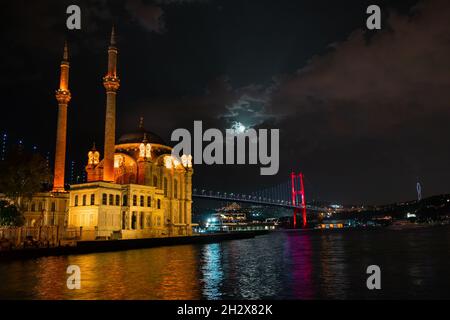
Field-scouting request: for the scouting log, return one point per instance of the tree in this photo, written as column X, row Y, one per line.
column 10, row 216
column 22, row 174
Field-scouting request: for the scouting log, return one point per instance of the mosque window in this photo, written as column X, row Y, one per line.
column 159, row 204
column 92, row 199
column 76, row 200
column 125, row 200
column 124, row 220
column 149, row 201
column 175, row 189
column 117, row 200
column 84, row 199
column 111, row 200
column 165, row 187
column 104, row 199
column 134, row 200
column 133, row 220
column 141, row 202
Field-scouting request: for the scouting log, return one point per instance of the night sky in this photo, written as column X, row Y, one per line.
column 362, row 113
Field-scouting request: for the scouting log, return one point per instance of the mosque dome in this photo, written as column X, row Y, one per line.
column 139, row 135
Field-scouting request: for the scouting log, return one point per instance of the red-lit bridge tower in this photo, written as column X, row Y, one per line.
column 298, row 189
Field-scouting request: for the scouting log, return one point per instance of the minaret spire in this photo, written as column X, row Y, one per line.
column 63, row 97
column 113, row 37
column 66, row 52
column 111, row 83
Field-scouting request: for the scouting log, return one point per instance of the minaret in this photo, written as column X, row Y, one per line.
column 63, row 98
column 111, row 83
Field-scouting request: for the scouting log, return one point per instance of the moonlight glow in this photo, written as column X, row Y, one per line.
column 238, row 127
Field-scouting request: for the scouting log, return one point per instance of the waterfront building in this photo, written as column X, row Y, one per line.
column 46, row 209
column 234, row 218
column 137, row 190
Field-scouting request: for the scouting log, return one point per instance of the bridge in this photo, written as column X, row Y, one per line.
column 289, row 195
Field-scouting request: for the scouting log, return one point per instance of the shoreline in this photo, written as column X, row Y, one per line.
column 96, row 246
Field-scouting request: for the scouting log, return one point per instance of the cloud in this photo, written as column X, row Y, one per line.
column 384, row 81
column 150, row 15
column 376, row 106
column 249, row 106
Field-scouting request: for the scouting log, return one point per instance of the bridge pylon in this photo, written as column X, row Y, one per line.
column 298, row 197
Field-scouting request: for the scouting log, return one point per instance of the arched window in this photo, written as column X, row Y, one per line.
column 104, row 199
column 149, row 201
column 141, row 201
column 134, row 200
column 84, row 199
column 165, row 187
column 76, row 201
column 92, row 199
column 111, row 200
column 159, row 204
column 125, row 200
column 117, row 200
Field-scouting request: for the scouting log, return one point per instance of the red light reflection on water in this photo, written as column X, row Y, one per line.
column 298, row 246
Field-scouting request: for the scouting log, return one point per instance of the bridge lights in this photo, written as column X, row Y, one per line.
column 298, row 189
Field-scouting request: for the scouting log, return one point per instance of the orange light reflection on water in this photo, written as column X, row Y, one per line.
column 158, row 273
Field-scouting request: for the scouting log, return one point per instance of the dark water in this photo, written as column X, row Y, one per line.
column 281, row 265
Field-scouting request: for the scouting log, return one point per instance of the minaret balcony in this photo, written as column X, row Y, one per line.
column 63, row 96
column 111, row 83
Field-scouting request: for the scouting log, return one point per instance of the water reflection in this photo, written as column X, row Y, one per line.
column 333, row 265
column 212, row 271
column 299, row 250
column 280, row 265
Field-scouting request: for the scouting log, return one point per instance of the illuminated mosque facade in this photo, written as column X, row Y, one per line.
column 138, row 189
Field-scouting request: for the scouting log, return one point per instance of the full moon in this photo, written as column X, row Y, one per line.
column 238, row 127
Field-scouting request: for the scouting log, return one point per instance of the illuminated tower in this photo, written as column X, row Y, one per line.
column 91, row 169
column 111, row 83
column 63, row 98
column 144, row 161
column 298, row 189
